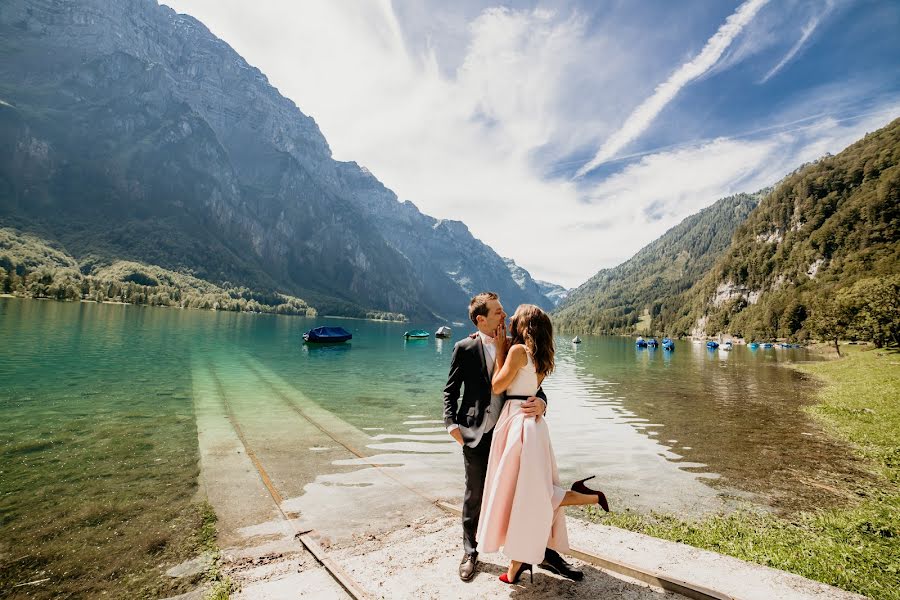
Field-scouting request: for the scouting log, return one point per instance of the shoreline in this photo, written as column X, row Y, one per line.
column 214, row 310
column 852, row 546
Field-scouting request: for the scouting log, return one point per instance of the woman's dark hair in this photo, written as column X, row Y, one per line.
column 531, row 326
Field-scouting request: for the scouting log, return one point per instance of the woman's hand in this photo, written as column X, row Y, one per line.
column 500, row 341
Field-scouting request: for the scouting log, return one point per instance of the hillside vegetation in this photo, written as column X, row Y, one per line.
column 818, row 256
column 31, row 267
column 829, row 231
column 655, row 279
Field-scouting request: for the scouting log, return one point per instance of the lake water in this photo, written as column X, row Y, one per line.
column 99, row 442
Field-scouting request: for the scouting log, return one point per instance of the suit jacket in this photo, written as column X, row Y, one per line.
column 473, row 412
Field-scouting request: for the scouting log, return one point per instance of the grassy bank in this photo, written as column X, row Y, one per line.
column 855, row 547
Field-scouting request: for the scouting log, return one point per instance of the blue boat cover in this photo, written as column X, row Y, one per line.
column 327, row 334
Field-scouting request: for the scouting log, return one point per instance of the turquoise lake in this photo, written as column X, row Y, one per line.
column 99, row 442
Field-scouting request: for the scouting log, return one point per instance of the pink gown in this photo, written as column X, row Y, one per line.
column 520, row 509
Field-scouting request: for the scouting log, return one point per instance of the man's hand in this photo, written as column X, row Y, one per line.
column 534, row 407
column 456, row 435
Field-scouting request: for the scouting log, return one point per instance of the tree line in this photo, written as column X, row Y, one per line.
column 64, row 284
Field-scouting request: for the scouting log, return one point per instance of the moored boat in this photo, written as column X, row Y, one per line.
column 668, row 344
column 327, row 335
column 712, row 345
column 416, row 334
column 576, row 340
column 640, row 342
column 653, row 343
column 443, row 332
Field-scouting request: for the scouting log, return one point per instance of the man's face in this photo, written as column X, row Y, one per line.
column 495, row 315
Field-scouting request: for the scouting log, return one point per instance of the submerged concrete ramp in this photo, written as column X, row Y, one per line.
column 309, row 506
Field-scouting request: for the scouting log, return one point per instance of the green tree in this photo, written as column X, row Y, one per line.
column 831, row 319
column 876, row 302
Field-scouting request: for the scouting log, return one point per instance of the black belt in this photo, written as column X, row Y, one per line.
column 518, row 397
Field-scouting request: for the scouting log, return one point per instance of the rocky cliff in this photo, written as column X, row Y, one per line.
column 130, row 131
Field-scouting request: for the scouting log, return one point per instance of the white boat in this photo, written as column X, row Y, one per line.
column 443, row 332
column 576, row 340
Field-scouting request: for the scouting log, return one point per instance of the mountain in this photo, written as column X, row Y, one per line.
column 649, row 287
column 130, row 132
column 825, row 228
column 554, row 292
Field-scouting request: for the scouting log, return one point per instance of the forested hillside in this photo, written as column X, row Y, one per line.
column 652, row 283
column 829, row 231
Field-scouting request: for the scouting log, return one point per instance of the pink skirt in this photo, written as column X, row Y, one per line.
column 520, row 509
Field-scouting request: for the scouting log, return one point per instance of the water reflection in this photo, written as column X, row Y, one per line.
column 719, row 408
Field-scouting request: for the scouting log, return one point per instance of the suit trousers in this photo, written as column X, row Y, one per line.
column 476, row 464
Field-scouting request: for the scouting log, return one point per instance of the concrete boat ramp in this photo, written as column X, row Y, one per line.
column 311, row 507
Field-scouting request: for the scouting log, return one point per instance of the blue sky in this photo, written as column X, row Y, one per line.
column 566, row 134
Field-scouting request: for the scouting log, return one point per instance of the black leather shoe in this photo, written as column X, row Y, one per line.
column 467, row 566
column 555, row 563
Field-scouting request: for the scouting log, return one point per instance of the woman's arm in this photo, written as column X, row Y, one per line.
column 505, row 368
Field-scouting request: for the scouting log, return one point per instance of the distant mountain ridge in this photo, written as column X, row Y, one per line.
column 650, row 286
column 130, row 132
column 757, row 266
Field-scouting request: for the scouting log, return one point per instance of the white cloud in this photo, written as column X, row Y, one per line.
column 644, row 114
column 808, row 30
column 645, row 199
column 461, row 142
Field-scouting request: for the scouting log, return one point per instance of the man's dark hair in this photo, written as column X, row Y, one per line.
column 478, row 305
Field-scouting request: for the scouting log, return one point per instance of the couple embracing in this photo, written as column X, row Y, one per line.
column 494, row 406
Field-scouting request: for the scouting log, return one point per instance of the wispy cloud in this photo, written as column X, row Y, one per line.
column 471, row 137
column 808, row 30
column 644, row 114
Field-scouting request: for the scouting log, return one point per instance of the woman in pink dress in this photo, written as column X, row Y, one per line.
column 521, row 511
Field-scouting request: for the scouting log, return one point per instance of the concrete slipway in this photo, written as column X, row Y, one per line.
column 312, row 507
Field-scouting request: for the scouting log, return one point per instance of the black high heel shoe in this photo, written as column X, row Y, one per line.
column 522, row 568
column 579, row 487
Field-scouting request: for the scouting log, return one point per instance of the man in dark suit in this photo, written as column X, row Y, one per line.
column 471, row 419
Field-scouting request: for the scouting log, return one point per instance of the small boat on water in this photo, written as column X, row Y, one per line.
column 653, row 343
column 668, row 344
column 416, row 334
column 576, row 340
column 443, row 332
column 768, row 345
column 712, row 345
column 727, row 346
column 753, row 345
column 640, row 342
column 327, row 335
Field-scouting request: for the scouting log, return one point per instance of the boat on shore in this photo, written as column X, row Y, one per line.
column 327, row 335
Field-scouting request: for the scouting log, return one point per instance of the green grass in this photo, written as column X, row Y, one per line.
column 205, row 541
column 854, row 547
